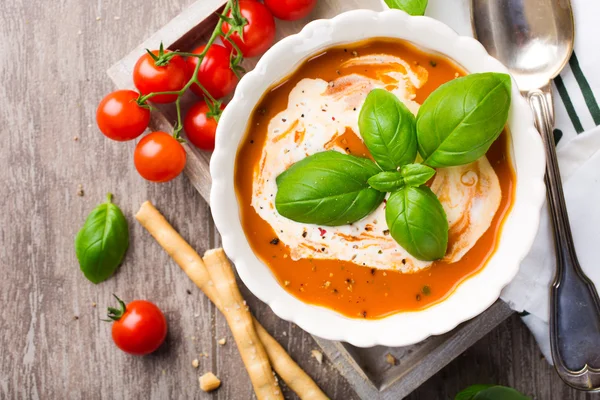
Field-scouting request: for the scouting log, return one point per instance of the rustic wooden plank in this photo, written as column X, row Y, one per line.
column 56, row 55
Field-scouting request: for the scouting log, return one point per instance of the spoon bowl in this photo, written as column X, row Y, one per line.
column 534, row 39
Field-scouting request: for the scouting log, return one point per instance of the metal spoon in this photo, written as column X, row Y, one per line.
column 534, row 39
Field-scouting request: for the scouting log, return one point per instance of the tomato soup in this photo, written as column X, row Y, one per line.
column 359, row 290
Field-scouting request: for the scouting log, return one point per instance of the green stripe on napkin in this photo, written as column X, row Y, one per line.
column 564, row 95
column 586, row 90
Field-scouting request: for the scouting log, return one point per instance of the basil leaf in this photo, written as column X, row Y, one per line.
column 327, row 188
column 416, row 174
column 471, row 391
column 417, row 221
column 409, row 175
column 460, row 120
column 386, row 181
column 500, row 393
column 412, row 7
column 102, row 242
column 388, row 129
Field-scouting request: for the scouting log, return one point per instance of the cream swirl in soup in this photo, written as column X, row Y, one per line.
column 323, row 115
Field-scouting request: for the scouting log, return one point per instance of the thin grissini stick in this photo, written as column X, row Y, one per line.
column 240, row 322
column 282, row 363
column 191, row 263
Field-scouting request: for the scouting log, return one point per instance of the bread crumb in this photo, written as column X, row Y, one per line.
column 222, row 341
column 94, row 305
column 317, row 355
column 98, row 18
column 75, row 138
column 195, row 363
column 80, row 191
column 116, row 18
column 390, row 359
column 209, row 382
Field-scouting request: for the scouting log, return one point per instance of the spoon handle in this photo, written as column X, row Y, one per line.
column 574, row 302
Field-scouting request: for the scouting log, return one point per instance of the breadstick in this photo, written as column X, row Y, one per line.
column 240, row 322
column 191, row 263
column 288, row 370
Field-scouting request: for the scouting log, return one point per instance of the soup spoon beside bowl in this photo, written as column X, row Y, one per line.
column 473, row 295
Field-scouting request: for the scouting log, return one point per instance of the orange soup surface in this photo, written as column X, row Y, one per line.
column 350, row 289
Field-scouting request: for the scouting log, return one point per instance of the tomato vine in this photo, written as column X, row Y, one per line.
column 237, row 23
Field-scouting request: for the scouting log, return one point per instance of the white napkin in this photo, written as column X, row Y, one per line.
column 576, row 96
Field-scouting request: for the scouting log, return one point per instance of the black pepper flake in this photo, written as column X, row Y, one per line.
column 433, row 63
column 302, row 116
column 275, row 241
column 426, row 290
column 323, row 249
column 262, row 111
column 364, row 314
column 338, row 72
column 283, row 120
column 380, row 252
column 404, row 261
column 251, row 141
column 354, row 109
column 335, row 290
column 418, row 297
column 304, row 234
column 347, row 149
column 345, row 50
column 189, row 291
column 373, row 270
column 386, row 232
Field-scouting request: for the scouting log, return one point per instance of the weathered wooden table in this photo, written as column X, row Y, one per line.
column 52, row 342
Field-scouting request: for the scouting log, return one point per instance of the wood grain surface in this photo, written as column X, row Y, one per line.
column 52, row 342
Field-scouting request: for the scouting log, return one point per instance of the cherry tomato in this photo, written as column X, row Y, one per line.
column 290, row 10
column 139, row 328
column 120, row 118
column 159, row 157
column 199, row 127
column 259, row 33
column 149, row 77
column 215, row 74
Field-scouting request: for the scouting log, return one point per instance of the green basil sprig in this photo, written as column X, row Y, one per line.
column 490, row 392
column 417, row 221
column 412, row 7
column 409, row 175
column 328, row 188
column 388, row 130
column 459, row 121
column 455, row 125
column 102, row 242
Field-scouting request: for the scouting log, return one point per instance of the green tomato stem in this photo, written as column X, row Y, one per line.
column 194, row 79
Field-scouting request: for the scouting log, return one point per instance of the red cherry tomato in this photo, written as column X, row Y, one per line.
column 159, row 157
column 259, row 33
column 290, row 10
column 215, row 74
column 199, row 127
column 139, row 328
column 120, row 118
column 149, row 77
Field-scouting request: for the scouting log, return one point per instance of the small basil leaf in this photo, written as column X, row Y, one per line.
column 328, row 188
column 460, row 120
column 386, row 181
column 102, row 242
column 412, row 7
column 416, row 174
column 471, row 391
column 417, row 221
column 500, row 393
column 388, row 129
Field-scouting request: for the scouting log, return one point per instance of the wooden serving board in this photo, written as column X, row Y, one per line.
column 366, row 369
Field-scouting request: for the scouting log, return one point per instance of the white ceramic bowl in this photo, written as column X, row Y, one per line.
column 475, row 294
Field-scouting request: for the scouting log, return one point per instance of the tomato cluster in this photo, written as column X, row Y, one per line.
column 211, row 71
